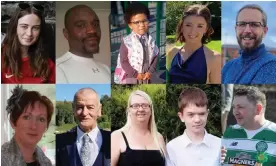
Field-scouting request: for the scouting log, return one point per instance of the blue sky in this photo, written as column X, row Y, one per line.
column 229, row 11
column 67, row 91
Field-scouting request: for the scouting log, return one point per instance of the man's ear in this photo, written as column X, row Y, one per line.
column 65, row 33
column 180, row 115
column 259, row 109
column 265, row 30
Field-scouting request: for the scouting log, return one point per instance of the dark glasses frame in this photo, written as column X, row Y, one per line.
column 145, row 22
column 143, row 105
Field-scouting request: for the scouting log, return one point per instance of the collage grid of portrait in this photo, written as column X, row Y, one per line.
column 151, row 83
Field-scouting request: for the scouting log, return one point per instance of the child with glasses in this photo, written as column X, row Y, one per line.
column 138, row 52
column 24, row 50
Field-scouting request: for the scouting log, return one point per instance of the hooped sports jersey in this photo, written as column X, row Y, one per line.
column 260, row 150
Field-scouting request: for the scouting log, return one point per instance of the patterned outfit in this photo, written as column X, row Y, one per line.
column 11, row 155
column 139, row 55
column 255, row 67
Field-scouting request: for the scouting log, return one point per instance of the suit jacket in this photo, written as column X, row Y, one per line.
column 67, row 153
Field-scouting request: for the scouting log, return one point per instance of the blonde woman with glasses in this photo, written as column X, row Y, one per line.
column 138, row 142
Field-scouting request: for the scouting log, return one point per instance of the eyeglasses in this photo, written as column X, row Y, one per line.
column 253, row 25
column 145, row 22
column 137, row 106
column 24, row 6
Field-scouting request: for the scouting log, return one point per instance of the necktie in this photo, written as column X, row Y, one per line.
column 146, row 62
column 143, row 41
column 85, row 151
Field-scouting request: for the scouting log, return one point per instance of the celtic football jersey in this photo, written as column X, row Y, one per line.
column 258, row 150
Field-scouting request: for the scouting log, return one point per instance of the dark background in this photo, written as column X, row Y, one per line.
column 9, row 7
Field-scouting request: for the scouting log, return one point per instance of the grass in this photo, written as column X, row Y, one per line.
column 65, row 127
column 48, row 139
column 213, row 45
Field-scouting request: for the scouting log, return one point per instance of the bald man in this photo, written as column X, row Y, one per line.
column 83, row 33
column 85, row 144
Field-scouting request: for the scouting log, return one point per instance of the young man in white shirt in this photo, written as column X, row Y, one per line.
column 195, row 147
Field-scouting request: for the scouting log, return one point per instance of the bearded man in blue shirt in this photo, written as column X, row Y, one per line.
column 255, row 65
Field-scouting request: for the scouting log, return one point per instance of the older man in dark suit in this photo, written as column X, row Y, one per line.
column 86, row 144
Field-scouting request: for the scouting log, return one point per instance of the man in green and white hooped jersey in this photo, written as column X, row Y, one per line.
column 251, row 142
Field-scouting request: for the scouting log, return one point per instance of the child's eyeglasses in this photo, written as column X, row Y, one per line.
column 24, row 6
column 145, row 22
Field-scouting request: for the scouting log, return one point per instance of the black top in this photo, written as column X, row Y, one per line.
column 140, row 157
column 35, row 163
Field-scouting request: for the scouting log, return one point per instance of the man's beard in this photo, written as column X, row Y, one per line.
column 257, row 42
column 96, row 48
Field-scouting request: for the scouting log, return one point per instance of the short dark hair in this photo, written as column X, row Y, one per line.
column 195, row 10
column 194, row 96
column 256, row 7
column 21, row 99
column 253, row 94
column 135, row 8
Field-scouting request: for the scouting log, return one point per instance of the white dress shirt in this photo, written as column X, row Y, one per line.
column 183, row 152
column 96, row 141
column 75, row 69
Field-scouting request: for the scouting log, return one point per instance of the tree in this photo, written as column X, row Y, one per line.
column 174, row 14
column 65, row 113
column 59, row 117
column 176, row 127
column 120, row 96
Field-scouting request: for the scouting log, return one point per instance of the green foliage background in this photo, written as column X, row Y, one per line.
column 174, row 13
column 175, row 127
column 120, row 94
column 165, row 107
column 65, row 118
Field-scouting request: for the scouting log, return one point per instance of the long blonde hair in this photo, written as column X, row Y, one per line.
column 151, row 124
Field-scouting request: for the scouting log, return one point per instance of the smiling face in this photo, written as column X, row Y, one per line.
column 139, row 24
column 87, row 109
column 193, row 29
column 195, row 118
column 83, row 31
column 140, row 109
column 31, row 124
column 250, row 36
column 28, row 29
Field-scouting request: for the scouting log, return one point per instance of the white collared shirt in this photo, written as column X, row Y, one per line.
column 71, row 68
column 183, row 152
column 95, row 136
